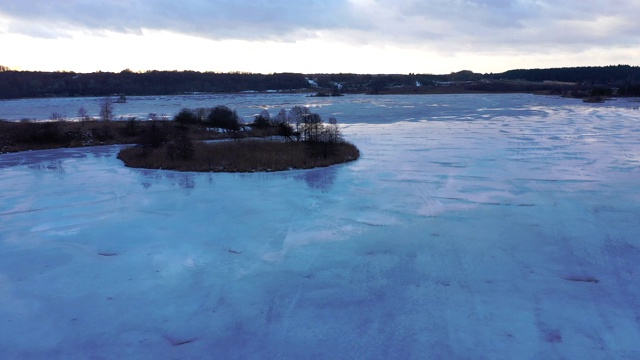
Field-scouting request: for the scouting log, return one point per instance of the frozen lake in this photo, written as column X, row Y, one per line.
column 472, row 227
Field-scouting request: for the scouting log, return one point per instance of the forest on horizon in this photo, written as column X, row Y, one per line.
column 621, row 80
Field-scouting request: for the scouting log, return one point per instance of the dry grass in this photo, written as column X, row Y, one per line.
column 22, row 136
column 243, row 155
column 246, row 155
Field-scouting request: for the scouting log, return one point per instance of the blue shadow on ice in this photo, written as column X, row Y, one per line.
column 321, row 178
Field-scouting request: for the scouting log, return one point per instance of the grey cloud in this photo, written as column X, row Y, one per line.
column 528, row 25
column 448, row 25
column 38, row 31
column 211, row 19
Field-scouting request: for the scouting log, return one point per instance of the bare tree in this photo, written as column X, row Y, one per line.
column 83, row 115
column 281, row 118
column 265, row 114
column 333, row 131
column 297, row 115
column 263, row 120
column 106, row 109
column 312, row 127
column 56, row 116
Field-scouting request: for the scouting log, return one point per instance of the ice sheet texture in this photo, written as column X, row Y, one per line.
column 473, row 227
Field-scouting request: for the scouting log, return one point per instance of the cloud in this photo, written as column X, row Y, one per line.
column 447, row 26
column 221, row 19
column 502, row 24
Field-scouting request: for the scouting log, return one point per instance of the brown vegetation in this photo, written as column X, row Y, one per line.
column 245, row 155
column 297, row 139
column 31, row 135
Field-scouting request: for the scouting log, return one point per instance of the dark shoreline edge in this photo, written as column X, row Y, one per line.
column 245, row 156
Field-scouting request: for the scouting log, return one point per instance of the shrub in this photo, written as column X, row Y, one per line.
column 132, row 126
column 222, row 117
column 43, row 133
column 180, row 147
column 286, row 130
column 185, row 116
column 261, row 122
column 155, row 135
column 102, row 133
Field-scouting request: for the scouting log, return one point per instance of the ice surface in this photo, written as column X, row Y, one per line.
column 472, row 227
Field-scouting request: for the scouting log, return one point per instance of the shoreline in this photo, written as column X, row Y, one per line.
column 189, row 147
column 247, row 155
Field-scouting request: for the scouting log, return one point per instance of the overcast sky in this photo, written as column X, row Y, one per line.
column 311, row 36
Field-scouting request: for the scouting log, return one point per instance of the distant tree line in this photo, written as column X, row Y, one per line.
column 25, row 84
column 615, row 74
column 28, row 84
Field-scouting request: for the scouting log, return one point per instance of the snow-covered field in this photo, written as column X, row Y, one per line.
column 472, row 227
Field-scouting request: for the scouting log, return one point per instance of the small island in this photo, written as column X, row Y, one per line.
column 245, row 155
column 203, row 139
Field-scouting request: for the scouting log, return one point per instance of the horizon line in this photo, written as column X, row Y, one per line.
column 128, row 70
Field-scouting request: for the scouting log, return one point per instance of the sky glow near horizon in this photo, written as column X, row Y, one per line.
column 307, row 36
